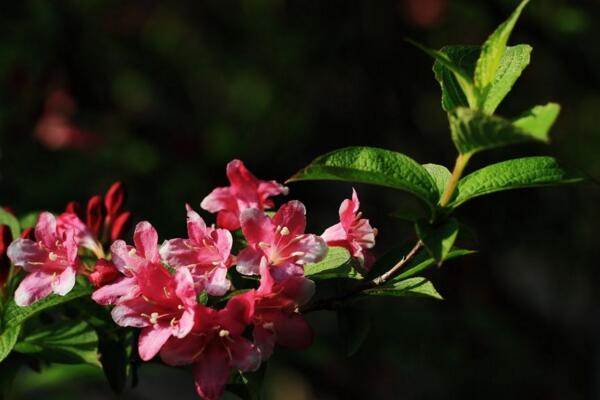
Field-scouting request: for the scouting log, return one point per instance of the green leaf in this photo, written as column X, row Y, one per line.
column 29, row 220
column 354, row 325
column 374, row 166
column 15, row 315
column 514, row 174
column 463, row 89
column 423, row 261
column 512, row 64
column 438, row 240
column 115, row 350
column 7, row 218
column 440, row 174
column 337, row 264
column 473, row 131
column 417, row 286
column 66, row 342
column 493, row 51
column 538, row 121
column 8, row 339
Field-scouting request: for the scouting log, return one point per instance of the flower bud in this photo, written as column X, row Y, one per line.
column 115, row 198
column 95, row 215
column 28, row 233
column 120, row 225
column 104, row 273
column 75, row 208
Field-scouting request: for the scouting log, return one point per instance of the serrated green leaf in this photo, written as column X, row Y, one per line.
column 440, row 174
column 337, row 264
column 474, row 131
column 514, row 174
column 8, row 339
column 65, row 342
column 409, row 287
column 15, row 315
column 463, row 89
column 373, row 166
column 438, row 240
column 7, row 218
column 512, row 64
column 354, row 325
column 492, row 52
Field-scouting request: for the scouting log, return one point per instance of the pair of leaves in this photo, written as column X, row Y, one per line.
column 67, row 342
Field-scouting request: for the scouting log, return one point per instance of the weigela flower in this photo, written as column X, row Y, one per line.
column 246, row 191
column 128, row 260
column 83, row 236
column 216, row 345
column 276, row 318
column 165, row 307
column 279, row 242
column 51, row 261
column 353, row 232
column 206, row 253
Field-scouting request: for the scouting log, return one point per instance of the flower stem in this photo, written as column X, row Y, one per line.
column 459, row 166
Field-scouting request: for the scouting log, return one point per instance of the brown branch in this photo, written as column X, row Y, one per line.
column 331, row 303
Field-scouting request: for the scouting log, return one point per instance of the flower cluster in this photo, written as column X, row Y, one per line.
column 163, row 289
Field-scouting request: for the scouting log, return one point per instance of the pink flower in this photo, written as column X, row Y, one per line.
column 246, row 191
column 276, row 318
column 279, row 242
column 206, row 254
column 51, row 261
column 83, row 236
column 129, row 260
column 353, row 232
column 165, row 307
column 216, row 345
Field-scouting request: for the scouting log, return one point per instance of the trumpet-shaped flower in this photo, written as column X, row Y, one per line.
column 51, row 261
column 279, row 242
column 165, row 307
column 246, row 191
column 206, row 253
column 128, row 260
column 353, row 232
column 216, row 345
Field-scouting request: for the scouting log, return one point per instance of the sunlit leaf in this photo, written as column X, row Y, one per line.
column 337, row 264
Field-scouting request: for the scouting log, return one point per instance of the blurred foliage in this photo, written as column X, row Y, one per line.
column 163, row 94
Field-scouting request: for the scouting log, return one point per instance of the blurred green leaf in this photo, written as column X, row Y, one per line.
column 474, row 131
column 337, row 264
column 8, row 339
column 417, row 286
column 514, row 174
column 354, row 325
column 374, row 166
column 66, row 342
column 7, row 218
column 492, row 52
column 29, row 220
column 438, row 240
column 15, row 315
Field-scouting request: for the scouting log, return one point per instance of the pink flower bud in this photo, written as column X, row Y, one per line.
column 95, row 215
column 120, row 225
column 115, row 198
column 75, row 208
column 104, row 273
column 28, row 233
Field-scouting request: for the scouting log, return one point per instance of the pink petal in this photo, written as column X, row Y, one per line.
column 293, row 216
column 267, row 189
column 128, row 313
column 266, row 281
column 125, row 258
column 265, row 341
column 182, row 351
column 45, row 229
column 244, row 185
column 178, row 253
column 299, row 289
column 245, row 355
column 185, row 324
column 335, row 233
column 348, row 210
column 145, row 238
column 64, row 282
column 195, row 225
column 219, row 199
column 211, row 372
column 217, row 283
column 257, row 226
column 223, row 242
column 293, row 331
column 184, row 287
column 124, row 288
column 312, row 247
column 228, row 220
column 27, row 254
column 83, row 236
column 249, row 261
column 36, row 286
column 238, row 312
column 151, row 340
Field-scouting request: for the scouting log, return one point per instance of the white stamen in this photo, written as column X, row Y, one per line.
column 268, row 325
column 223, row 333
column 263, row 244
column 154, row 318
column 132, row 252
column 215, row 263
column 52, row 256
column 173, row 322
column 298, row 254
column 285, row 231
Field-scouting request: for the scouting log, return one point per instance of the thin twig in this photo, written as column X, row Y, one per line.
column 331, row 303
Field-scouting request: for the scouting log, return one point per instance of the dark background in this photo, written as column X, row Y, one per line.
column 163, row 94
